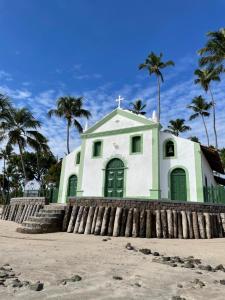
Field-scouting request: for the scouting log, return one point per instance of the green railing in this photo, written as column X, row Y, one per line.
column 214, row 194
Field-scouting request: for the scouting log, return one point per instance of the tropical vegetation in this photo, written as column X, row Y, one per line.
column 177, row 126
column 138, row 107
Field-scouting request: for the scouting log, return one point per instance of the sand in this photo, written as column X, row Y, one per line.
column 53, row 257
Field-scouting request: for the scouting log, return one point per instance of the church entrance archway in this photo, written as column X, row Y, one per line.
column 114, row 178
column 178, row 185
column 72, row 186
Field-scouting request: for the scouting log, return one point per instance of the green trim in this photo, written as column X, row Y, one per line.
column 77, row 161
column 67, row 184
column 155, row 192
column 81, row 169
column 101, row 150
column 131, row 138
column 125, row 174
column 120, row 112
column 61, row 182
column 119, row 131
column 187, row 181
column 164, row 148
column 198, row 172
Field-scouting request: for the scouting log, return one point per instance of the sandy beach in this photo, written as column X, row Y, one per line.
column 107, row 268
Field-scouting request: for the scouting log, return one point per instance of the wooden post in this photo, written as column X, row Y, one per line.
column 179, row 225
column 117, row 222
column 149, row 222
column 158, row 224
column 94, row 220
column 23, row 213
column 222, row 215
column 99, row 220
column 111, row 221
column 83, row 220
column 135, row 230
column 175, row 229
column 201, row 225
column 164, row 223
column 129, row 223
column 142, row 231
column 184, row 225
column 66, row 217
column 105, row 221
column 220, row 225
column 89, row 220
column 195, row 225
column 78, row 220
column 73, row 218
column 190, row 224
column 208, row 225
column 170, row 223
column 123, row 221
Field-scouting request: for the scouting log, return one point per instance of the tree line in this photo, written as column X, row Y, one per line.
column 26, row 154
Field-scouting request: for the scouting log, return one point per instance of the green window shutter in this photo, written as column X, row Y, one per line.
column 78, row 158
column 136, row 144
column 97, row 149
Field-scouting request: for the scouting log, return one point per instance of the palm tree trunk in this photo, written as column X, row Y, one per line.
column 206, row 131
column 22, row 162
column 214, row 118
column 159, row 109
column 68, row 137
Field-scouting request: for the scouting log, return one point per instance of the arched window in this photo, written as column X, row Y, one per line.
column 169, row 149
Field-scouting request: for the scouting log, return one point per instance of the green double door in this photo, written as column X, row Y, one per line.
column 178, row 185
column 72, row 186
column 114, row 178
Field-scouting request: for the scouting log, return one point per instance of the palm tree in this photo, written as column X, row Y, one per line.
column 201, row 109
column 177, row 126
column 204, row 79
column 214, row 50
column 20, row 129
column 70, row 108
column 194, row 139
column 5, row 155
column 154, row 64
column 138, row 107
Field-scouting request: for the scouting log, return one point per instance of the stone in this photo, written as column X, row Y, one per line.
column 75, row 278
column 145, row 251
column 3, row 274
column 180, row 286
column 129, row 246
column 222, row 281
column 105, row 240
column 16, row 283
column 117, row 277
column 199, row 282
column 177, row 298
column 219, row 267
column 38, row 286
column 155, row 253
column 205, row 268
column 137, row 284
column 165, row 258
column 188, row 265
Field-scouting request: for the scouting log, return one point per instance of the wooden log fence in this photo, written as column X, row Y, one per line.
column 146, row 223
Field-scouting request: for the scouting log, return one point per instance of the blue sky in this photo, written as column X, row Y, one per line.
column 93, row 48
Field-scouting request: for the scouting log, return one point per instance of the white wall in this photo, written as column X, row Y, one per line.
column 138, row 172
column 207, row 172
column 185, row 158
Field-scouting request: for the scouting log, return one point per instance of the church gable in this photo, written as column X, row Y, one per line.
column 119, row 119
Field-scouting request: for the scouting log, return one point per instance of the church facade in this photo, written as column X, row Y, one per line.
column 125, row 155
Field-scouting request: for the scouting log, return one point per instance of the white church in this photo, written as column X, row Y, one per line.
column 126, row 155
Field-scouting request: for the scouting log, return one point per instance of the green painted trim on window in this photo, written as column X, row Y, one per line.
column 101, row 151
column 125, row 173
column 81, row 169
column 61, row 182
column 187, row 181
column 164, row 149
column 141, row 145
column 120, row 112
column 77, row 162
column 119, row 131
column 155, row 192
column 198, row 172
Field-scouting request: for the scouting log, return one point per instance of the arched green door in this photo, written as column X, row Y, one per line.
column 72, row 186
column 178, row 185
column 114, row 178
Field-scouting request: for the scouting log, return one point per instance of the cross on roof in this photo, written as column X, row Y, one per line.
column 119, row 100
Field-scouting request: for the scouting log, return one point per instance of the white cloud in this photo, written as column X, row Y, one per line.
column 5, row 76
